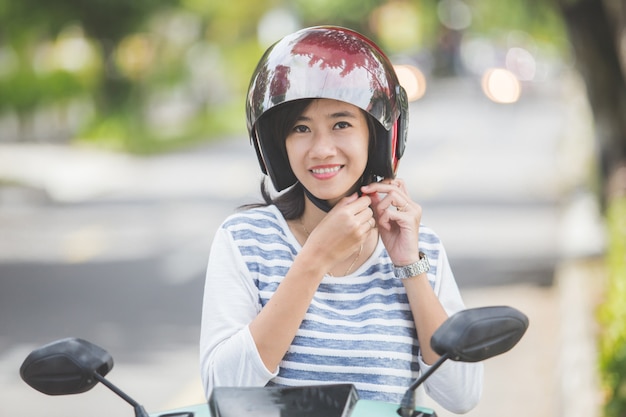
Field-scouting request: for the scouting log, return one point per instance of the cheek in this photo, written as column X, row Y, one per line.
column 363, row 157
column 292, row 153
column 364, row 146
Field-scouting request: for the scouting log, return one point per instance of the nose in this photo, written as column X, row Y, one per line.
column 323, row 146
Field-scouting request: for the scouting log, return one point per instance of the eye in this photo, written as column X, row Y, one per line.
column 300, row 129
column 342, row 125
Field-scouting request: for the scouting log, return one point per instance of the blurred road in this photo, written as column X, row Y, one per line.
column 112, row 248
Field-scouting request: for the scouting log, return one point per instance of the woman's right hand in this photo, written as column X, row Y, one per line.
column 342, row 231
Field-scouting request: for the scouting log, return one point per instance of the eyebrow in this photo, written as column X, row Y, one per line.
column 341, row 114
column 336, row 115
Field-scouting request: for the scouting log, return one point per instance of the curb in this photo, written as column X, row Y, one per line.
column 580, row 283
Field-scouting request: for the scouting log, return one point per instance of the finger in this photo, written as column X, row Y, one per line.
column 385, row 186
column 396, row 199
column 365, row 215
column 348, row 199
column 402, row 208
column 399, row 182
column 358, row 203
column 368, row 226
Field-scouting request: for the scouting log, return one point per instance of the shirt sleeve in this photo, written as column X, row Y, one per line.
column 228, row 354
column 456, row 386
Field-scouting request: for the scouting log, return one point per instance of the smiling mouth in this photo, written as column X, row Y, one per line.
column 329, row 170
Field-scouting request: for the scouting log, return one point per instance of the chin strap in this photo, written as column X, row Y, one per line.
column 319, row 203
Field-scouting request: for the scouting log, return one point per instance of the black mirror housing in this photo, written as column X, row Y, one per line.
column 66, row 366
column 477, row 334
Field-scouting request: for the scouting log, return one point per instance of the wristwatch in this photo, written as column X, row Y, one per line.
column 414, row 269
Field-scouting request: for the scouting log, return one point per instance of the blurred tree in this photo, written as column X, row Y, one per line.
column 350, row 13
column 597, row 33
column 596, row 29
column 24, row 23
column 43, row 72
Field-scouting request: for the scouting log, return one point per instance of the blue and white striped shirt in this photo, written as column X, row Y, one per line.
column 358, row 329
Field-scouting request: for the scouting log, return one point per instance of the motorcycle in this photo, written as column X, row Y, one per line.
column 72, row 366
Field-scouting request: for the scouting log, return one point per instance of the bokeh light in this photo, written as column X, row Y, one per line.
column 275, row 24
column 522, row 63
column 454, row 14
column 397, row 25
column 71, row 52
column 413, row 81
column 501, row 86
column 135, row 55
column 478, row 54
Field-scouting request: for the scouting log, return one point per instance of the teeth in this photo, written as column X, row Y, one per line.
column 325, row 170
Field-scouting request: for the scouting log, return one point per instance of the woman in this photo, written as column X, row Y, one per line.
column 333, row 279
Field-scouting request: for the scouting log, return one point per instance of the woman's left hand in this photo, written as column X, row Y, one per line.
column 398, row 219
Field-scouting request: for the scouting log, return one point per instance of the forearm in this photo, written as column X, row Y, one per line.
column 233, row 361
column 275, row 326
column 428, row 313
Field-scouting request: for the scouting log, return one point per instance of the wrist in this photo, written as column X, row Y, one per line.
column 308, row 263
column 414, row 269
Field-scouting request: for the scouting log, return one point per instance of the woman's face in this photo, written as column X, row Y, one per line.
column 328, row 148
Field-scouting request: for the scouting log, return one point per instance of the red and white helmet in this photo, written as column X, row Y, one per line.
column 334, row 63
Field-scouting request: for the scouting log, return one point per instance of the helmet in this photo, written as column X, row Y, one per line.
column 335, row 63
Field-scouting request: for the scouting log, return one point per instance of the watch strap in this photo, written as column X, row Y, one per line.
column 414, row 269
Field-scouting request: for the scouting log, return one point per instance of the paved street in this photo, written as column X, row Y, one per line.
column 112, row 248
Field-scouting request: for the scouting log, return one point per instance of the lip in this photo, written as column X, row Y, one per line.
column 323, row 172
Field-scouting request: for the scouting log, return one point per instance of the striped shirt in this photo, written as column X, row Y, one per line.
column 358, row 329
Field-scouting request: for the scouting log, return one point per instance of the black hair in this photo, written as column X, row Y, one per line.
column 278, row 123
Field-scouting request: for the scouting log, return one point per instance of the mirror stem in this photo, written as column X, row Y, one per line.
column 408, row 401
column 139, row 410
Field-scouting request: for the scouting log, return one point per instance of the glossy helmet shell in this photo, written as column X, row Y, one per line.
column 334, row 63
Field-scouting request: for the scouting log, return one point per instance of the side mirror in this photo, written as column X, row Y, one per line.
column 71, row 366
column 471, row 335
column 477, row 334
column 66, row 366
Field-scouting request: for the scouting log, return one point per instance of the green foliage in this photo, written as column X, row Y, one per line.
column 538, row 18
column 612, row 315
column 102, row 19
column 122, row 131
column 23, row 91
column 353, row 14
